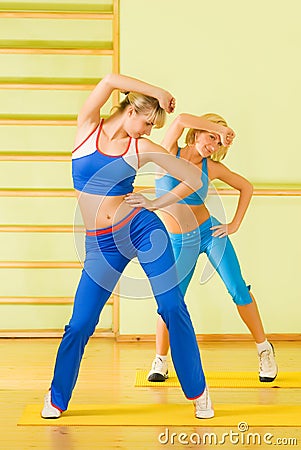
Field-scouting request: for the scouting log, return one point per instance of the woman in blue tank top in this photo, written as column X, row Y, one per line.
column 193, row 231
column 107, row 154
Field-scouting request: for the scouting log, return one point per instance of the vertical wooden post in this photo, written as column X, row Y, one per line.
column 115, row 62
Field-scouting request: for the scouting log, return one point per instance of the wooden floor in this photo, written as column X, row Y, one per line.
column 107, row 376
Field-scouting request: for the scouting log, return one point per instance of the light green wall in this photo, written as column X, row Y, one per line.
column 43, row 211
column 38, row 282
column 238, row 59
column 234, row 57
column 56, row 29
column 58, row 66
column 20, row 174
column 38, row 246
column 43, row 102
column 46, row 317
column 38, row 211
column 36, row 138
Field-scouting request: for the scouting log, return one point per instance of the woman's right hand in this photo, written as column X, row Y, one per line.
column 227, row 136
column 137, row 200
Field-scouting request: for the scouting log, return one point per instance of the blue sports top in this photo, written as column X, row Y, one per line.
column 167, row 183
column 97, row 173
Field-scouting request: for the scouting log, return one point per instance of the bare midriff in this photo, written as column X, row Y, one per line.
column 102, row 211
column 181, row 218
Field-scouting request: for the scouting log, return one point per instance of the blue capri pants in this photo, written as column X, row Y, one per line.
column 188, row 246
column 141, row 234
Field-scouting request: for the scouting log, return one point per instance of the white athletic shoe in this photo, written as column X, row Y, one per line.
column 49, row 411
column 159, row 370
column 267, row 365
column 203, row 406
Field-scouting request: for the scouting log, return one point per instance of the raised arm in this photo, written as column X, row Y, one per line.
column 182, row 121
column 101, row 93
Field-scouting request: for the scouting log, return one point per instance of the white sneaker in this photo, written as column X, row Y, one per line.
column 267, row 365
column 49, row 411
column 159, row 370
column 203, row 406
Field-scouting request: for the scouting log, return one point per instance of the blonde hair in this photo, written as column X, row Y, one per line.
column 143, row 104
column 190, row 136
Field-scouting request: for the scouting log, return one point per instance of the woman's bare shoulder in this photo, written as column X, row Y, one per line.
column 214, row 168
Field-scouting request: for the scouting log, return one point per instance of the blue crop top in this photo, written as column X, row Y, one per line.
column 97, row 173
column 167, row 183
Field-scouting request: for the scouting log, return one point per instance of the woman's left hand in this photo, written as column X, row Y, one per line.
column 224, row 230
column 167, row 101
column 139, row 201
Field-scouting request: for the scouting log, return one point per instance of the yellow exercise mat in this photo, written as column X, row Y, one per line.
column 226, row 380
column 168, row 415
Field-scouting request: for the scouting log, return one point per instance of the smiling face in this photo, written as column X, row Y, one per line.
column 202, row 140
column 207, row 143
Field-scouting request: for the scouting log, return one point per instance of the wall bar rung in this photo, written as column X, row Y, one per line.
column 40, row 265
column 55, row 51
column 7, row 192
column 30, row 156
column 41, row 301
column 12, row 192
column 41, row 229
column 55, row 15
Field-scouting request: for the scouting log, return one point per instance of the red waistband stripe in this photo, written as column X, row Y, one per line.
column 115, row 226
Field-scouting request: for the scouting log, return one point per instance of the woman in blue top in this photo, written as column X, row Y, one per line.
column 193, row 231
column 107, row 154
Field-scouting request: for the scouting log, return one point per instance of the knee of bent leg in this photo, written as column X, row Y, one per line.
column 79, row 329
column 241, row 295
column 171, row 304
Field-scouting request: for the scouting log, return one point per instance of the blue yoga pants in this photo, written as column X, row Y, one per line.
column 108, row 251
column 188, row 246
